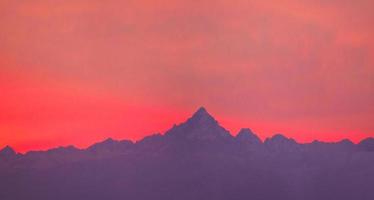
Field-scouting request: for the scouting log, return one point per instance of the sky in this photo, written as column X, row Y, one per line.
column 79, row 71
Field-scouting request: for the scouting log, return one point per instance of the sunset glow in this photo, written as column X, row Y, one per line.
column 77, row 72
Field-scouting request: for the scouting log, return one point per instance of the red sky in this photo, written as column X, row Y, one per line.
column 78, row 71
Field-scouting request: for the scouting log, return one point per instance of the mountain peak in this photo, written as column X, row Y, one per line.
column 109, row 140
column 346, row 142
column 110, row 145
column 201, row 113
column 279, row 139
column 7, row 151
column 366, row 144
column 247, row 135
column 201, row 109
column 202, row 117
column 200, row 126
column 245, row 132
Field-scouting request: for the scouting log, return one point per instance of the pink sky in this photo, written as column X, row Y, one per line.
column 78, row 71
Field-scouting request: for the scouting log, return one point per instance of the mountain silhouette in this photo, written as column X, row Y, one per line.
column 201, row 126
column 246, row 136
column 7, row 153
column 197, row 159
column 110, row 147
column 367, row 144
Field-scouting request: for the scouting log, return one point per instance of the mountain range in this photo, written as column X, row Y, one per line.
column 197, row 159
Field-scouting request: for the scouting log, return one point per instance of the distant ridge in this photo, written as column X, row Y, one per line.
column 203, row 126
column 197, row 159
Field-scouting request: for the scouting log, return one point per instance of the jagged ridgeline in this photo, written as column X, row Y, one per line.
column 197, row 159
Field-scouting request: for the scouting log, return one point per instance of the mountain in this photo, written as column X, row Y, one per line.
column 197, row 159
column 247, row 137
column 343, row 145
column 7, row 153
column 279, row 139
column 110, row 147
column 279, row 142
column 366, row 144
column 200, row 127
